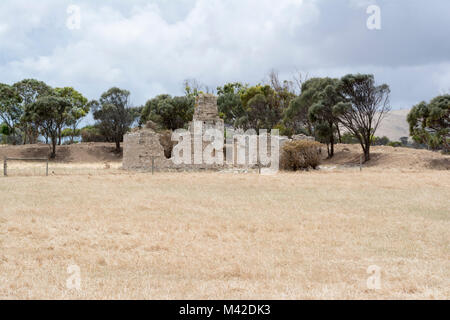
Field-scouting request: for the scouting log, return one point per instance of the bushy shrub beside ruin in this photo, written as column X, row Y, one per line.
column 92, row 134
column 300, row 155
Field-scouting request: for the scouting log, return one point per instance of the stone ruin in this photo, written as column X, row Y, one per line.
column 206, row 114
column 143, row 147
column 140, row 148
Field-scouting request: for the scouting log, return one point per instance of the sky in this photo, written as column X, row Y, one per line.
column 151, row 47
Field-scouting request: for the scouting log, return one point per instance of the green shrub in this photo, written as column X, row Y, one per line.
column 300, row 155
column 377, row 141
column 92, row 134
column 395, row 144
column 69, row 132
column 349, row 138
column 284, row 131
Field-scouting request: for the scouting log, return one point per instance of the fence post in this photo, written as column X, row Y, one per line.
column 153, row 165
column 5, row 166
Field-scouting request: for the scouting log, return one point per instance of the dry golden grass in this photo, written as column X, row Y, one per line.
column 38, row 168
column 226, row 236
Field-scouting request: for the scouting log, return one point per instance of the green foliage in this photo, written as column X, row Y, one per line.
column 69, row 132
column 229, row 102
column 429, row 123
column 11, row 109
column 300, row 155
column 92, row 134
column 30, row 90
column 191, row 88
column 349, row 138
column 395, row 144
column 298, row 110
column 114, row 114
column 262, row 109
column 296, row 116
column 325, row 94
column 289, row 132
column 49, row 113
column 364, row 106
column 169, row 112
column 79, row 107
column 377, row 141
column 4, row 129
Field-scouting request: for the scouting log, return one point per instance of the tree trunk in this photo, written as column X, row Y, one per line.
column 25, row 135
column 59, row 136
column 367, row 153
column 117, row 145
column 310, row 130
column 331, row 153
column 339, row 133
column 72, row 137
column 53, row 155
column 14, row 136
column 331, row 148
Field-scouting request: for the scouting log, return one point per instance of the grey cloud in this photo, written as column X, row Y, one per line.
column 150, row 47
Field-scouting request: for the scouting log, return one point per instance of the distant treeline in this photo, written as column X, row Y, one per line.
column 348, row 110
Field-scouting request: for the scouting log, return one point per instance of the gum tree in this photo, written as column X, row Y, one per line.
column 169, row 112
column 429, row 123
column 366, row 104
column 10, row 109
column 114, row 114
column 29, row 91
column 48, row 113
column 78, row 110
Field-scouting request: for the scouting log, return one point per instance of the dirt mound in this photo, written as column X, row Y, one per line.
column 389, row 157
column 82, row 152
column 346, row 155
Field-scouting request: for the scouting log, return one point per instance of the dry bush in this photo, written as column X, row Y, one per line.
column 153, row 126
column 165, row 138
column 92, row 134
column 300, row 155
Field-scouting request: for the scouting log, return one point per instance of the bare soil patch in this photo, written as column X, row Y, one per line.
column 385, row 157
column 81, row 153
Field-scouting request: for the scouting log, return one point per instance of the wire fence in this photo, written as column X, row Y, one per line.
column 13, row 167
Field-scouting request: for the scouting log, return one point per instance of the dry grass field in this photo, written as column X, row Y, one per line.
column 226, row 236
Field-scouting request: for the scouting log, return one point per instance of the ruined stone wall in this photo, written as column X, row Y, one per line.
column 206, row 116
column 206, row 108
column 141, row 145
column 138, row 149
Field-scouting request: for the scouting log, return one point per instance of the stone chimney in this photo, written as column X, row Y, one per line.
column 206, row 108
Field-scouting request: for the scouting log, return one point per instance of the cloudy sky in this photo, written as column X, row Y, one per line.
column 150, row 47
